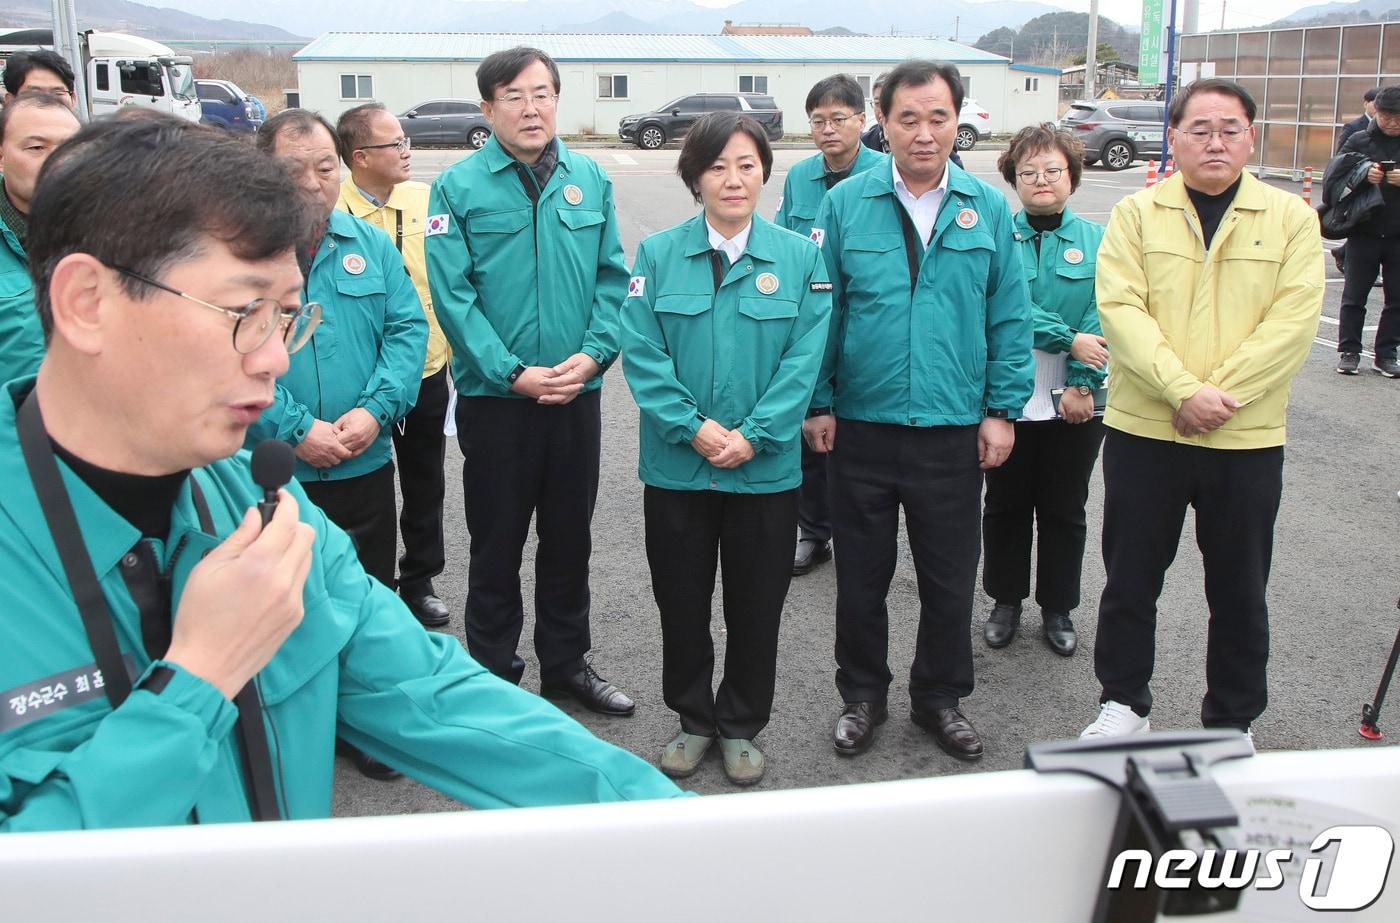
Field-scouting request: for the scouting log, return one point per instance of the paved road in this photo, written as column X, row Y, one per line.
column 1333, row 591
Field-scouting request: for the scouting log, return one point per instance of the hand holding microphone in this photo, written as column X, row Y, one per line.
column 243, row 600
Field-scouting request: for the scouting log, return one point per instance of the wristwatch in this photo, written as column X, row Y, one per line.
column 1084, row 390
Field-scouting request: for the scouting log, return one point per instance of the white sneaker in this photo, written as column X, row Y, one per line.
column 1116, row 720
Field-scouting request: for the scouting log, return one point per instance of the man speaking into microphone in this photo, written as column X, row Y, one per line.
column 167, row 657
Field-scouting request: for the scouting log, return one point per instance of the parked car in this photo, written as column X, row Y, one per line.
column 672, row 121
column 456, row 122
column 973, row 122
column 1117, row 131
column 222, row 103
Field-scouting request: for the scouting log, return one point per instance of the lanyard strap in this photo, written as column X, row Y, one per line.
column 913, row 247
column 97, row 618
column 398, row 230
column 719, row 268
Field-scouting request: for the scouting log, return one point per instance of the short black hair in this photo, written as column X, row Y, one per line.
column 294, row 123
column 1388, row 100
column 19, row 64
column 1370, row 95
column 352, row 128
column 499, row 69
column 706, row 142
column 1219, row 85
column 841, row 89
column 169, row 166
column 915, row 73
column 32, row 99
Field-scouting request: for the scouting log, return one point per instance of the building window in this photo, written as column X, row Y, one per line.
column 753, row 83
column 612, row 86
column 356, row 86
column 864, row 81
column 1032, row 84
column 103, row 81
column 967, row 86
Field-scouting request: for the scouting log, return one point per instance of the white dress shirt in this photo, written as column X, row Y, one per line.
column 734, row 246
column 922, row 209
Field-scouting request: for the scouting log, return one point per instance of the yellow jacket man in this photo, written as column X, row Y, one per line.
column 379, row 191
column 1209, row 289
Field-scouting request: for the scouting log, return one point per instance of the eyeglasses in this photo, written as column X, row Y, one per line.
column 541, row 101
column 1202, row 135
column 254, row 323
column 1031, row 177
column 837, row 122
column 401, row 145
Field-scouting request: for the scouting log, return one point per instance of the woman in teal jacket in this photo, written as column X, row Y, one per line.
column 1046, row 478
column 723, row 330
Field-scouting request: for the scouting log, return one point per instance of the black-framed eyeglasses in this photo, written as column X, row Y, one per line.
column 401, row 145
column 1031, row 177
column 255, row 322
column 1231, row 135
column 516, row 101
column 837, row 122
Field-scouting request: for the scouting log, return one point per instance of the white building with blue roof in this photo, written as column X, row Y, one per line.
column 608, row 76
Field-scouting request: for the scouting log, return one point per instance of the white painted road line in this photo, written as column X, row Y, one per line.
column 625, row 159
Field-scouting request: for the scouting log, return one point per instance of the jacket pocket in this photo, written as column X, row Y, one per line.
column 767, row 307
column 685, row 305
column 506, row 222
column 874, row 243
column 1257, row 254
column 361, row 286
column 316, row 643
column 578, row 218
column 1075, row 271
column 966, row 242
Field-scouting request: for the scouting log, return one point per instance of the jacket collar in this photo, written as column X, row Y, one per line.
column 1022, row 226
column 360, row 207
column 881, row 182
column 866, row 159
column 497, row 159
column 341, row 225
column 761, row 236
column 1171, row 193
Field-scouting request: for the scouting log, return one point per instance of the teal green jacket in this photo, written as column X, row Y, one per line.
column 520, row 284
column 746, row 356
column 21, row 334
column 368, row 351
column 805, row 188
column 959, row 344
column 359, row 666
column 1061, row 283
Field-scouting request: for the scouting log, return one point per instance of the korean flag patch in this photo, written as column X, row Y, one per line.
column 818, row 236
column 637, row 287
column 437, row 224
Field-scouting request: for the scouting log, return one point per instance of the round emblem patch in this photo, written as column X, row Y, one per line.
column 573, row 195
column 1074, row 255
column 967, row 219
column 353, row 263
column 767, row 283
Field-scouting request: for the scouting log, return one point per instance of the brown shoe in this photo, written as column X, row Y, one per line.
column 951, row 730
column 855, row 727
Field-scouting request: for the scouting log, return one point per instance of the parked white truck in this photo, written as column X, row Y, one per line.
column 123, row 70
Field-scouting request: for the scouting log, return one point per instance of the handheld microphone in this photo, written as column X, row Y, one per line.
column 273, row 463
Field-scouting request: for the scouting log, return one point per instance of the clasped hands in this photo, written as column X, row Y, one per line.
column 722, row 448
column 1205, row 411
column 328, row 444
column 557, row 385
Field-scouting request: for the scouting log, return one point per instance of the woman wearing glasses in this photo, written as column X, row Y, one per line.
column 1045, row 481
column 723, row 330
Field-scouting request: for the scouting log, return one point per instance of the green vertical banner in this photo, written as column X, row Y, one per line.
column 1150, row 43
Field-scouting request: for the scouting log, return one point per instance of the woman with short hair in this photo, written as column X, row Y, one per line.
column 723, row 330
column 1044, row 484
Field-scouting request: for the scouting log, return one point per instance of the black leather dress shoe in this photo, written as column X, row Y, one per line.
column 592, row 692
column 951, row 730
column 1002, row 624
column 367, row 765
column 1059, row 632
column 855, row 728
column 809, row 554
column 430, row 611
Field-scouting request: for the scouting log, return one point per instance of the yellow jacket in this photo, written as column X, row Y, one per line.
column 410, row 201
column 1241, row 317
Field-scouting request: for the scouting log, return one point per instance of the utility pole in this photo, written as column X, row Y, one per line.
column 1091, row 52
column 1222, row 15
column 957, row 20
column 1191, row 16
column 65, row 43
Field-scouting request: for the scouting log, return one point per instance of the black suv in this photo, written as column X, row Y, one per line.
column 650, row 130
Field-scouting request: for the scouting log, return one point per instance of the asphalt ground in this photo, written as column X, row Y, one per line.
column 1332, row 593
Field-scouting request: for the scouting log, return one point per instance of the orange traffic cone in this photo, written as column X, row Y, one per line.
column 1169, row 169
column 1307, row 185
column 1151, row 173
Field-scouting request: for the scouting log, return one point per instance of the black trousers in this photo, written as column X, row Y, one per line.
column 421, row 451
column 749, row 536
column 1042, row 486
column 525, row 459
column 1367, row 256
column 364, row 507
column 1148, row 483
column 813, row 498
column 933, row 473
